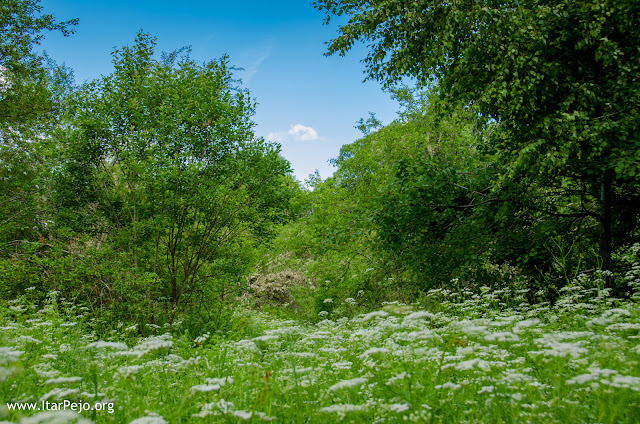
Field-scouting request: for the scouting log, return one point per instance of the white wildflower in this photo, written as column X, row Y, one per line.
column 373, row 351
column 55, row 417
column 399, row 407
column 342, row 365
column 374, row 314
column 626, row 382
column 59, row 393
column 205, row 388
column 224, row 406
column 243, row 415
column 502, row 336
column 343, row 409
column 398, row 377
column 201, row 339
column 264, row 338
column 63, row 380
column 18, row 308
column 29, row 339
column 221, row 381
column 486, row 389
column 10, row 354
column 345, row 384
column 108, row 345
column 297, row 371
column 528, row 323
column 152, row 419
column 468, row 365
column 448, row 385
column 419, row 315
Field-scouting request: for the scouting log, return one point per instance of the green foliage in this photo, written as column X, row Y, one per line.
column 559, row 78
column 161, row 163
column 32, row 88
column 24, row 81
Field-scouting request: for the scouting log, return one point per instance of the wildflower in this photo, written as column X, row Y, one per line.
column 151, row 419
column 399, row 407
column 18, row 308
column 343, row 365
column 55, row 417
column 59, row 393
column 125, row 372
column 264, row 338
column 328, row 300
column 221, row 381
column 419, row 315
column 367, row 317
column 201, row 339
column 224, row 406
column 9, row 354
column 243, row 415
column 108, row 345
column 468, row 365
column 343, row 409
column 398, row 377
column 525, row 324
column 626, row 382
column 373, row 351
column 205, row 388
column 502, row 336
column 29, row 339
column 152, row 344
column 63, row 380
column 332, row 349
column 486, row 389
column 448, row 385
column 345, row 384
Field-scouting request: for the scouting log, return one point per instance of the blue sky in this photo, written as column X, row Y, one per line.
column 307, row 102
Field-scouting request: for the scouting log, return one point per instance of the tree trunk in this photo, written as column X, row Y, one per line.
column 605, row 224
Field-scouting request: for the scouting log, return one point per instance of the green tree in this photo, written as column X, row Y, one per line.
column 560, row 78
column 402, row 197
column 31, row 89
column 24, row 80
column 163, row 164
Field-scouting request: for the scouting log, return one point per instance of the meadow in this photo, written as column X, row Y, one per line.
column 485, row 356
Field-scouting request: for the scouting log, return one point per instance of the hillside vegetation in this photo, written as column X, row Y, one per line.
column 475, row 260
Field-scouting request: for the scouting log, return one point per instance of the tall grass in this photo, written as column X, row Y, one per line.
column 455, row 357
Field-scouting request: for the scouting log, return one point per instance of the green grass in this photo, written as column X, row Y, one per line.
column 487, row 357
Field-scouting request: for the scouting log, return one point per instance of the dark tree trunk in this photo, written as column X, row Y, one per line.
column 605, row 223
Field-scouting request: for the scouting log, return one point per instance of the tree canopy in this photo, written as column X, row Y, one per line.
column 24, row 81
column 560, row 78
column 161, row 160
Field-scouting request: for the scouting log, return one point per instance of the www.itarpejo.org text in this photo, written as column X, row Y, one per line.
column 65, row 405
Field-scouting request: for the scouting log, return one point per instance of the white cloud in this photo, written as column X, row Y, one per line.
column 297, row 132
column 303, row 133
